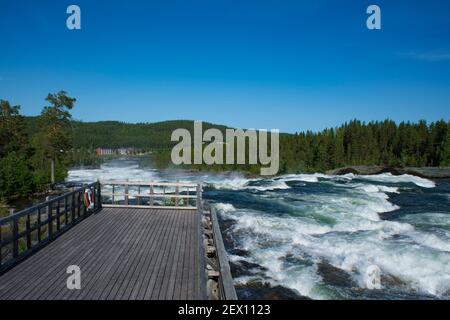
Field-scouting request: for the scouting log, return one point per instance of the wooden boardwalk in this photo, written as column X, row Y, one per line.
column 123, row 254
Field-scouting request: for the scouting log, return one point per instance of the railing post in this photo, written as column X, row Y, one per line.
column 66, row 209
column 187, row 199
column 39, row 225
column 151, row 195
column 50, row 219
column 0, row 246
column 79, row 203
column 126, row 194
column 113, row 190
column 99, row 194
column 139, row 196
column 28, row 227
column 177, row 193
column 72, row 207
column 16, row 240
column 199, row 197
column 58, row 216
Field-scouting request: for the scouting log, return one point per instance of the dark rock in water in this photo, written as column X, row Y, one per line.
column 256, row 290
column 334, row 276
column 226, row 224
column 239, row 252
column 366, row 170
column 388, row 280
column 342, row 171
column 244, row 268
column 296, row 260
column 429, row 172
column 423, row 172
column 390, row 294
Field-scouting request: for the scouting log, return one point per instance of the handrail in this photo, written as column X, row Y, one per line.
column 227, row 290
column 148, row 183
column 26, row 231
column 181, row 197
column 44, row 204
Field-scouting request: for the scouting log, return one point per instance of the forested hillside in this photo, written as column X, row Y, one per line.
column 353, row 143
column 115, row 134
column 375, row 143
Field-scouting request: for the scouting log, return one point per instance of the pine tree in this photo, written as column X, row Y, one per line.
column 56, row 135
column 445, row 149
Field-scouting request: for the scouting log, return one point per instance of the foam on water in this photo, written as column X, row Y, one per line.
column 383, row 178
column 272, row 185
column 233, row 183
column 357, row 240
column 225, row 207
column 302, row 177
column 127, row 170
column 405, row 178
column 369, row 188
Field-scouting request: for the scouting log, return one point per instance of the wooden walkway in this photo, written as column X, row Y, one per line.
column 123, row 254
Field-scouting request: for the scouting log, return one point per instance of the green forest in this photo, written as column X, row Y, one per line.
column 31, row 146
column 383, row 143
column 353, row 143
column 31, row 163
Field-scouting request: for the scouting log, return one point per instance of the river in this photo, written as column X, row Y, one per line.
column 322, row 237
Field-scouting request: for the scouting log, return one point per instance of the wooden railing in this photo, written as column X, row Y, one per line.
column 25, row 232
column 141, row 194
column 225, row 280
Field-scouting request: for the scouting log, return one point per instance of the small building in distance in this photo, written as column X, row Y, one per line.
column 104, row 152
column 121, row 151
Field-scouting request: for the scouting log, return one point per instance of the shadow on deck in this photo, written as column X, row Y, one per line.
column 123, row 253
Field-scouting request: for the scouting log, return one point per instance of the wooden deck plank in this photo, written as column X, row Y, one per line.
column 162, row 280
column 159, row 262
column 140, row 266
column 107, row 260
column 123, row 253
column 145, row 273
column 169, row 293
column 81, row 259
column 126, row 266
column 181, row 276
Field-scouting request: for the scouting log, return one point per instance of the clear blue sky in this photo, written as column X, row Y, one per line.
column 291, row 65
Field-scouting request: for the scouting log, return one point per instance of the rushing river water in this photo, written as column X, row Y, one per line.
column 323, row 237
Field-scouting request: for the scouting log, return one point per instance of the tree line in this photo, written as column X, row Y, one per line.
column 34, row 162
column 382, row 143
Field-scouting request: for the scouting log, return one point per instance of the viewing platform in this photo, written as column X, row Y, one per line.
column 138, row 241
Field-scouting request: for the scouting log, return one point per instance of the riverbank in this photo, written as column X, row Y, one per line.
column 422, row 172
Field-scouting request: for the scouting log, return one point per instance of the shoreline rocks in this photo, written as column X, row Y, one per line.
column 422, row 172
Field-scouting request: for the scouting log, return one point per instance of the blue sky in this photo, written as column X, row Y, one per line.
column 290, row 65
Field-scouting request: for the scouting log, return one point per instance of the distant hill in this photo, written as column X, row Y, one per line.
column 383, row 143
column 115, row 134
